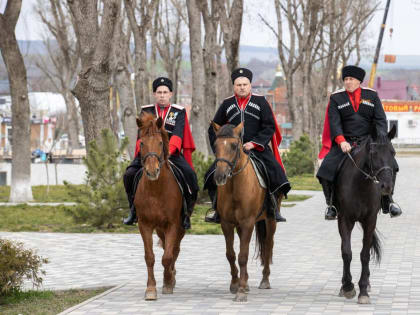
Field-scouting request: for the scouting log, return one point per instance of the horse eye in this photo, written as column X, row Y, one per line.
column 161, row 143
column 233, row 145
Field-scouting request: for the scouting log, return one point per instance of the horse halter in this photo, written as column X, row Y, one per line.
column 373, row 175
column 232, row 164
column 160, row 157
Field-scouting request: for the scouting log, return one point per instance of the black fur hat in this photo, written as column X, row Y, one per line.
column 162, row 81
column 241, row 72
column 354, row 72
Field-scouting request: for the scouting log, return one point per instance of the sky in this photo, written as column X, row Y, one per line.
column 404, row 18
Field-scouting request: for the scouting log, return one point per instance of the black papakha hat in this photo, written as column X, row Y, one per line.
column 354, row 72
column 241, row 72
column 162, row 81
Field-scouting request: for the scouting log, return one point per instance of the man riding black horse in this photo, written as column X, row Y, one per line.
column 260, row 128
column 351, row 114
column 181, row 146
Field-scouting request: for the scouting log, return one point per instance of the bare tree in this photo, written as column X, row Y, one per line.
column 122, row 82
column 198, row 110
column 169, row 29
column 63, row 58
column 21, row 155
column 140, row 28
column 94, row 24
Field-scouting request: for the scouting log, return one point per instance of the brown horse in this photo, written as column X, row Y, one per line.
column 158, row 203
column 240, row 202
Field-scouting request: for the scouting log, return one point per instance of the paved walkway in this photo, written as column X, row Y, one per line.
column 306, row 270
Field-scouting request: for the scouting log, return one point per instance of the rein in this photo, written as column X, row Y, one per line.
column 372, row 176
column 232, row 164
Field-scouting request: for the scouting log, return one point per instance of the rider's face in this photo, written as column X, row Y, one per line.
column 351, row 84
column 162, row 95
column 242, row 86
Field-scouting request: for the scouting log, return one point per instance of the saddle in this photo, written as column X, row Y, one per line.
column 180, row 180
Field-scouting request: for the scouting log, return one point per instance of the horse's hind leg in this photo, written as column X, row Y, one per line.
column 147, row 236
column 177, row 249
column 168, row 261
column 228, row 231
column 268, row 252
column 368, row 235
column 345, row 228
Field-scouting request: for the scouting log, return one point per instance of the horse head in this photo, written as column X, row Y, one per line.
column 381, row 159
column 154, row 144
column 228, row 147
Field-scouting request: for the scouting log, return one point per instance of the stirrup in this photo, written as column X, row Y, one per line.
column 212, row 216
column 331, row 216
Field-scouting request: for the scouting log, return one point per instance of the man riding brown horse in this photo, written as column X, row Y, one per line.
column 350, row 116
column 181, row 146
column 260, row 129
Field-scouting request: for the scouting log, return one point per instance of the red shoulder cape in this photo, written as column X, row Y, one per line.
column 275, row 141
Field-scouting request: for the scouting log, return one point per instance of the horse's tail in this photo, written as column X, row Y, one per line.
column 261, row 232
column 376, row 247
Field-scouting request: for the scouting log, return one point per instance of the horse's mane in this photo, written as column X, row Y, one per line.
column 226, row 131
column 149, row 127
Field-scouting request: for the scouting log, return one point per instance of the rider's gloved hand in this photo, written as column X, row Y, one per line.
column 248, row 146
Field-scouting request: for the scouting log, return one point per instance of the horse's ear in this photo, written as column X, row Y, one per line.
column 215, row 126
column 138, row 121
column 392, row 132
column 159, row 122
column 238, row 129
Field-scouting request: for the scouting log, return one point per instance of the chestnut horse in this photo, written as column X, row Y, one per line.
column 240, row 203
column 158, row 203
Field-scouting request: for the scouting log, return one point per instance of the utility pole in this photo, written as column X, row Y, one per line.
column 378, row 47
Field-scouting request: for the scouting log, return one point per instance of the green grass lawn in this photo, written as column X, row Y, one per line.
column 44, row 302
column 305, row 182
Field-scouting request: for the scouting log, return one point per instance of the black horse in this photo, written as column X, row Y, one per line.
column 365, row 175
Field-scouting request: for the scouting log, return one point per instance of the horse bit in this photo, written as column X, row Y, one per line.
column 232, row 164
column 373, row 177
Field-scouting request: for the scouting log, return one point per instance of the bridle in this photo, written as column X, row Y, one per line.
column 372, row 175
column 160, row 158
column 232, row 164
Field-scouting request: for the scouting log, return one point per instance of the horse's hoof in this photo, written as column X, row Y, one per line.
column 234, row 288
column 363, row 300
column 150, row 295
column 240, row 297
column 167, row 290
column 265, row 284
column 347, row 294
column 247, row 288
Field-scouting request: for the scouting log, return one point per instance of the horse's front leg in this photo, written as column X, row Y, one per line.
column 368, row 235
column 147, row 236
column 168, row 260
column 245, row 237
column 345, row 227
column 228, row 231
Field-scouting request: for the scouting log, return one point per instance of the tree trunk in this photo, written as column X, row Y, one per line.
column 21, row 155
column 92, row 87
column 198, row 111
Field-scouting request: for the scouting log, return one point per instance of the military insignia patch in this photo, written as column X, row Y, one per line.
column 171, row 119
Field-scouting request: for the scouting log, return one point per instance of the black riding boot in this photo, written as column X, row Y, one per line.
column 274, row 205
column 132, row 218
column 212, row 216
column 190, row 200
column 389, row 206
column 331, row 211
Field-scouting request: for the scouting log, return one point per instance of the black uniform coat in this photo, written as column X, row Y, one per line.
column 343, row 120
column 259, row 128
